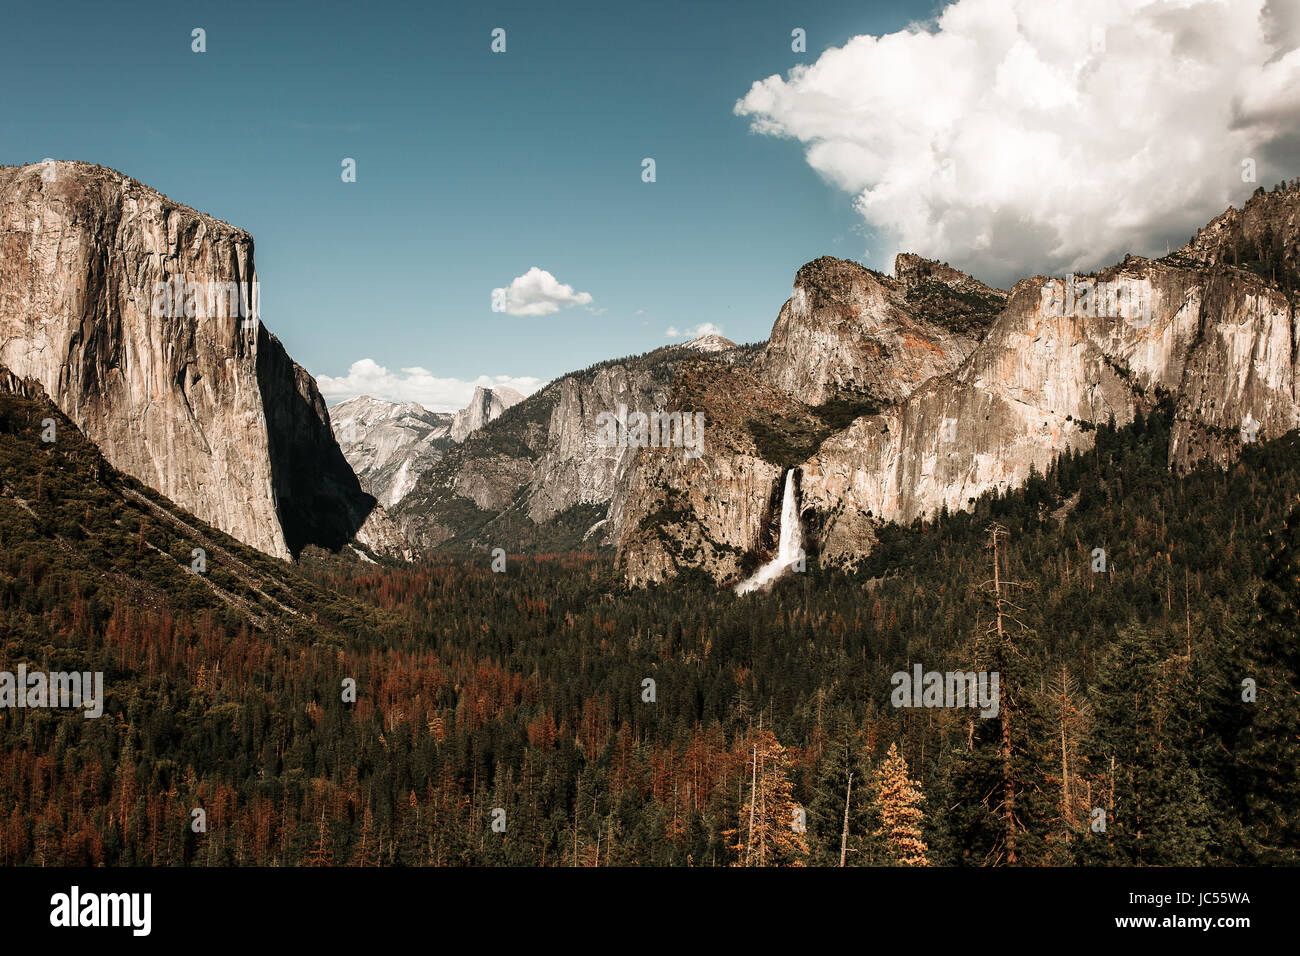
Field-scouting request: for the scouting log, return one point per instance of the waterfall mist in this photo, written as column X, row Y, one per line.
column 789, row 545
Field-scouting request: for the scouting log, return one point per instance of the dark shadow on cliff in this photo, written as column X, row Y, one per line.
column 319, row 499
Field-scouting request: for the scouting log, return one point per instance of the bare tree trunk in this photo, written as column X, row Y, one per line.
column 576, row 801
column 844, row 834
column 1065, row 772
column 1008, row 784
column 753, row 786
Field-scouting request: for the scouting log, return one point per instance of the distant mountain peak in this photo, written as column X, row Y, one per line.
column 391, row 444
column 712, row 342
column 487, row 403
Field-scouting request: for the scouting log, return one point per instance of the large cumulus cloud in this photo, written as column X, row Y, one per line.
column 1015, row 136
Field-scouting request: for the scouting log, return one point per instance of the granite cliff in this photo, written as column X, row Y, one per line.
column 948, row 413
column 391, row 444
column 849, row 333
column 485, row 406
column 137, row 316
column 539, row 476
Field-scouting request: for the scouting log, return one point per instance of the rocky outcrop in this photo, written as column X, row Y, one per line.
column 765, row 408
column 1220, row 344
column 193, row 396
column 672, row 511
column 1263, row 237
column 1210, row 328
column 486, row 405
column 390, row 444
column 544, row 458
column 848, row 333
column 576, row 468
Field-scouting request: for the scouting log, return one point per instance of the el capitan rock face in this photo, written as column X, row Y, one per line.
column 209, row 409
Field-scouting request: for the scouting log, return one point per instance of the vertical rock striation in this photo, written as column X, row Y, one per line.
column 390, row 444
column 486, row 405
column 1211, row 329
column 206, row 407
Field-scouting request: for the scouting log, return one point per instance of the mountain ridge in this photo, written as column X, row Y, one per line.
column 1221, row 339
column 391, row 444
column 893, row 397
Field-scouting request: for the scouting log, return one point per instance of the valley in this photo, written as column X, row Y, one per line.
column 303, row 631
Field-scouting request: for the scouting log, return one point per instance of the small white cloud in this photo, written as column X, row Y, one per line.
column 415, row 384
column 1012, row 136
column 536, row 292
column 704, row 328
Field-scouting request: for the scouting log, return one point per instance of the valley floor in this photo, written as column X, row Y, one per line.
column 1147, row 656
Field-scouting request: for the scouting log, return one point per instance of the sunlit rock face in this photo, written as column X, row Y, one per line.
column 390, row 444
column 847, row 332
column 204, row 406
column 486, row 405
column 957, row 403
column 1044, row 377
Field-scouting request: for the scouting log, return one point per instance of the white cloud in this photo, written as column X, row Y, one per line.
column 415, row 384
column 704, row 328
column 1044, row 135
column 536, row 292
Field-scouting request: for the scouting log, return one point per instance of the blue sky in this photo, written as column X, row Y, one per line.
column 472, row 167
column 968, row 141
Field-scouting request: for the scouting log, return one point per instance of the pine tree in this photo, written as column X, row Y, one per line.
column 898, row 804
column 1153, row 796
column 1007, row 808
column 843, row 775
column 365, row 854
column 1072, row 712
column 323, row 854
column 1259, row 740
column 769, row 832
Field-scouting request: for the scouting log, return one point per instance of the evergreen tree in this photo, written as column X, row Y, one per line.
column 843, row 776
column 898, row 806
column 1155, row 809
column 772, row 824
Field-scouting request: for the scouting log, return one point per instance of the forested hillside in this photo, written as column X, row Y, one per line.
column 505, row 717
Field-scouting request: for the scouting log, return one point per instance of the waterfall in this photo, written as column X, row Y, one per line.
column 789, row 546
